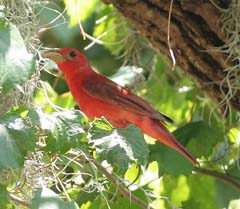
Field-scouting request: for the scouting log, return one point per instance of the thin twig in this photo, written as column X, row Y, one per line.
column 168, row 35
column 227, row 179
column 19, row 200
column 79, row 21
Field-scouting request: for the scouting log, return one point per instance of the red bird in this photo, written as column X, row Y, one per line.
column 98, row 96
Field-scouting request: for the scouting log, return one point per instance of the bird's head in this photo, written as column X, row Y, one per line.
column 68, row 59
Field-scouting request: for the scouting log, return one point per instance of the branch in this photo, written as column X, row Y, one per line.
column 113, row 178
column 223, row 177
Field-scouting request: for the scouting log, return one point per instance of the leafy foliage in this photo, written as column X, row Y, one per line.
column 62, row 130
column 120, row 147
column 204, row 188
column 169, row 160
column 199, row 137
column 56, row 158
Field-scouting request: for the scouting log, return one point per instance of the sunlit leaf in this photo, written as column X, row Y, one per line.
column 132, row 173
column 16, row 64
column 204, row 187
column 234, row 135
column 80, row 9
column 176, row 189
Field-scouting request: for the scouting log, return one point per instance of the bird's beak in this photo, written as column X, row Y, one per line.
column 55, row 56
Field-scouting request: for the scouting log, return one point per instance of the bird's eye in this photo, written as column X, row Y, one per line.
column 72, row 54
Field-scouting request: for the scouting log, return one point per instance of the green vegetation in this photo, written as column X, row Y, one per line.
column 52, row 156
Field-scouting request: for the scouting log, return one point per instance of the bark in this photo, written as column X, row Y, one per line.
column 195, row 31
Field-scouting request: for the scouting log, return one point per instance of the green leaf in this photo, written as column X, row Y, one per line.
column 16, row 64
column 85, row 196
column 17, row 137
column 118, row 201
column 199, row 137
column 203, row 191
column 120, row 147
column 45, row 199
column 176, row 188
column 169, row 161
column 64, row 130
column 190, row 204
column 3, row 196
column 225, row 193
column 80, row 9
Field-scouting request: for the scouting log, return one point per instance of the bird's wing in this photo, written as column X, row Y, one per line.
column 110, row 92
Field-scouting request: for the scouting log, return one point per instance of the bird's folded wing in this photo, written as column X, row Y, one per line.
column 110, row 92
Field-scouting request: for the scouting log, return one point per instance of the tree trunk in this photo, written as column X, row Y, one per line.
column 195, row 32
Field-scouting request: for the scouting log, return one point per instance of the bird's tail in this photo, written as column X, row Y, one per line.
column 158, row 131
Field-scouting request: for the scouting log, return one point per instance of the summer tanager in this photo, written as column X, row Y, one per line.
column 98, row 96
